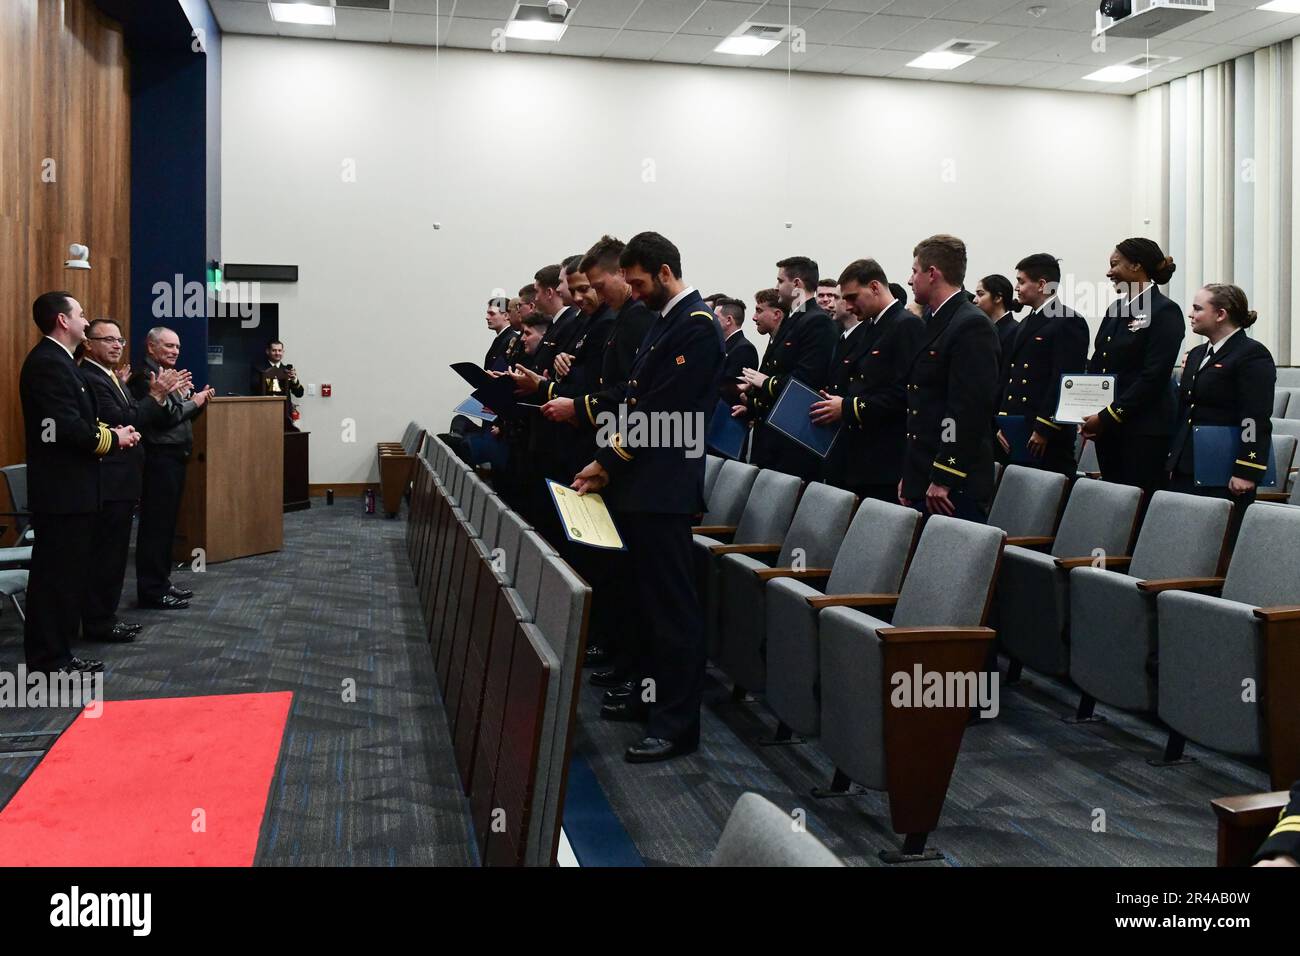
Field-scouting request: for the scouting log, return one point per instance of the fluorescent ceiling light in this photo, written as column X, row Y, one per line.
column 1120, row 73
column 1281, row 6
column 308, row 13
column 940, row 60
column 535, row 30
column 746, row 46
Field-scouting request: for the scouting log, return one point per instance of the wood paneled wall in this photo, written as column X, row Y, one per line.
column 64, row 97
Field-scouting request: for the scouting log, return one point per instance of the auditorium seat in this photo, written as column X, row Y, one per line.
column 1288, row 377
column 1089, row 466
column 712, row 466
column 870, row 560
column 12, row 584
column 1033, row 588
column 15, row 478
column 1027, row 505
column 1281, row 400
column 759, row 833
column 765, row 519
column 1113, row 636
column 1230, row 664
column 1284, row 448
column 883, row 738
column 726, row 501
column 812, row 540
column 15, row 558
column 397, row 467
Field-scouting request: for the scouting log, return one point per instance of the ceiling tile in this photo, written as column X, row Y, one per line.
column 833, row 59
column 427, row 7
column 1061, row 14
column 1285, row 30
column 859, row 6
column 636, row 45
column 829, row 26
column 778, row 11
column 485, row 9
column 719, row 18
column 418, row 29
column 1013, row 72
column 602, row 13
column 1228, row 25
column 371, row 26
column 304, row 30
column 663, row 16
column 879, row 63
column 586, row 41
column 977, row 11
column 929, row 34
column 687, row 48
column 916, row 8
column 879, row 31
column 478, row 34
column 237, row 16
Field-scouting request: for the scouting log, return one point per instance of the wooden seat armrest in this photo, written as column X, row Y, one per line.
column 1031, row 541
column 799, row 574
column 1279, row 496
column 903, row 634
column 1115, row 561
column 1286, row 612
column 1251, row 810
column 720, row 549
column 713, row 530
column 1179, row 584
column 851, row 600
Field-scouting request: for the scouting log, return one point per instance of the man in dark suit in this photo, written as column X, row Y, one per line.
column 498, row 322
column 120, row 478
column 800, row 349
column 276, row 377
column 866, row 390
column 948, row 460
column 167, row 447
column 65, row 442
column 560, row 314
column 1050, row 342
column 654, row 493
column 740, row 353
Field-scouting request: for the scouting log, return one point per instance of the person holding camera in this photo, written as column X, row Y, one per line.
column 278, row 378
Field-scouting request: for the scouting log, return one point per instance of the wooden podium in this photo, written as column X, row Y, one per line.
column 234, row 488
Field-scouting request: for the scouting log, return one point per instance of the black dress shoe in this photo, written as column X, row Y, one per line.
column 612, row 677
column 82, row 665
column 168, row 602
column 627, row 710
column 132, row 626
column 596, row 656
column 622, row 692
column 120, row 634
column 183, row 593
column 652, row 749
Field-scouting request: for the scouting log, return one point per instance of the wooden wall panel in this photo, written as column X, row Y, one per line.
column 64, row 96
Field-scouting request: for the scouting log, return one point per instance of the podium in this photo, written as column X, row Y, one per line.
column 234, row 487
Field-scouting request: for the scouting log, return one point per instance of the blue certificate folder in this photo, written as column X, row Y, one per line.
column 474, row 409
column 789, row 416
column 1214, row 451
column 497, row 394
column 1017, row 429
column 726, row 435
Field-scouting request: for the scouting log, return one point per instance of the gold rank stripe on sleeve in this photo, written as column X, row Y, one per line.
column 953, row 471
column 1049, row 424
column 857, row 411
column 616, row 443
column 586, row 403
column 550, row 391
column 105, row 440
column 1251, row 464
column 1115, row 413
column 771, row 385
column 1289, row 824
column 704, row 315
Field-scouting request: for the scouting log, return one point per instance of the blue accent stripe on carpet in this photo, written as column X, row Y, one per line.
column 590, row 823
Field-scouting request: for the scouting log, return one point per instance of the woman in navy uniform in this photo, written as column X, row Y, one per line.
column 1227, row 380
column 1138, row 343
column 997, row 300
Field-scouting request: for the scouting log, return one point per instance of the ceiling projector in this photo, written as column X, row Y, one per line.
column 1145, row 19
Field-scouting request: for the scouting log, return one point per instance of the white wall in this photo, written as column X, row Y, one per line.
column 525, row 159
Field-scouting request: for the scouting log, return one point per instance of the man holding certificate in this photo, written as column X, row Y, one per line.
column 655, row 492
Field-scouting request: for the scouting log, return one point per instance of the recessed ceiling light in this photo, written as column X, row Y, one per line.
column 1120, row 73
column 306, row 13
column 1281, row 6
column 940, row 60
column 746, row 46
column 535, row 30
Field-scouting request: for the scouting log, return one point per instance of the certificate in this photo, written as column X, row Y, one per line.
column 473, row 408
column 585, row 518
column 790, row 416
column 1083, row 396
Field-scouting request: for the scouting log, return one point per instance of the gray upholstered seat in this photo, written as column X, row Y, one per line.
column 1033, row 591
column 493, row 510
column 730, row 491
column 1292, row 405
column 870, row 560
column 1028, row 502
column 712, row 467
column 506, row 551
column 15, row 557
column 1113, row 622
column 1281, row 398
column 1213, row 650
column 15, row 477
column 12, row 584
column 814, row 538
column 759, row 833
column 1284, row 448
column 765, row 520
column 1289, row 377
column 1088, row 463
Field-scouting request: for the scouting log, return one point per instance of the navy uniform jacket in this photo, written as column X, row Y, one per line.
column 950, row 382
column 1235, row 386
column 740, row 355
column 1007, row 327
column 564, row 332
column 801, row 348
column 676, row 371
column 1049, row 343
column 570, row 448
column 1138, row 343
column 628, row 328
column 495, row 360
column 65, row 438
column 514, row 351
column 120, row 474
column 869, row 450
column 1285, row 838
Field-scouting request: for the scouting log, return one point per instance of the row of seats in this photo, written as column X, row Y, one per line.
column 397, row 467
column 792, row 582
column 506, row 619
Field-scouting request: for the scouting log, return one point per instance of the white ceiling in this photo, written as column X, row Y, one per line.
column 851, row 37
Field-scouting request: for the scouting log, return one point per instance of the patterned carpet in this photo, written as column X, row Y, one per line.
column 370, row 782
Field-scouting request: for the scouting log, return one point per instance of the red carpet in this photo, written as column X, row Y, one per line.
column 123, row 789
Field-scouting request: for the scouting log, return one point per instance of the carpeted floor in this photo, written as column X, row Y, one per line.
column 370, row 782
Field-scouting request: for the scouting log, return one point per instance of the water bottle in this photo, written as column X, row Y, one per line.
column 370, row 501
column 329, row 496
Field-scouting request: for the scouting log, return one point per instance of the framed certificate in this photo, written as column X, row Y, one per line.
column 1082, row 396
column 585, row 518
